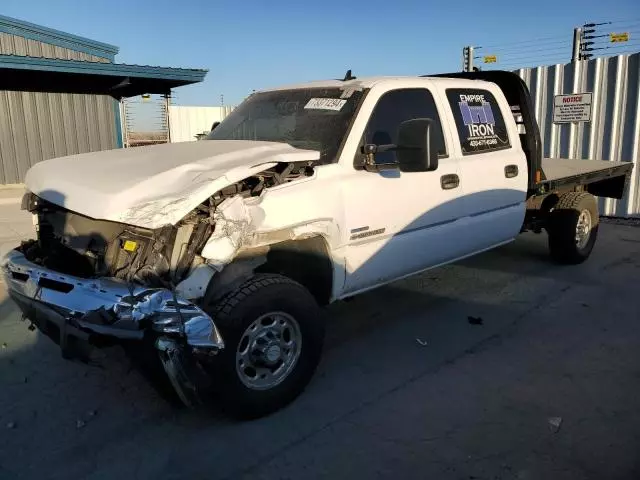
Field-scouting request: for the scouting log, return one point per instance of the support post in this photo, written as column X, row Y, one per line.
column 576, row 52
column 467, row 59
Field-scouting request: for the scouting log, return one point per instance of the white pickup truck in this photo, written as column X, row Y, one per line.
column 209, row 260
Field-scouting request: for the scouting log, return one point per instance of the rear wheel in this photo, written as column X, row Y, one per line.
column 273, row 338
column 573, row 227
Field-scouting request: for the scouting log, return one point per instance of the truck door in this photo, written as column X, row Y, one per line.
column 399, row 223
column 493, row 167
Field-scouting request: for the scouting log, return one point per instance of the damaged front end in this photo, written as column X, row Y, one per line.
column 78, row 313
column 87, row 282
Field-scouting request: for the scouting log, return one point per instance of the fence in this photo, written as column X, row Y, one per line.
column 614, row 130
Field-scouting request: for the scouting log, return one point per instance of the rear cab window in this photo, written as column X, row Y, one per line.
column 479, row 121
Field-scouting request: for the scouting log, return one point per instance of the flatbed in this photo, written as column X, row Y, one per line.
column 599, row 177
column 555, row 169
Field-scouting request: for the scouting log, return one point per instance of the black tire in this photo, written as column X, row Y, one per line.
column 562, row 226
column 262, row 294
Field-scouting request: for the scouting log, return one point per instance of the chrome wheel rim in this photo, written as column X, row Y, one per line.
column 583, row 228
column 268, row 350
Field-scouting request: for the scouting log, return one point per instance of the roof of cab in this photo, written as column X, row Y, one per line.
column 366, row 82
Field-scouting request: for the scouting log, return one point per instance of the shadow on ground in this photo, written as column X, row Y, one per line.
column 408, row 387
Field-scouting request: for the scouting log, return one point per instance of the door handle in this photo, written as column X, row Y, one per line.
column 511, row 171
column 447, row 182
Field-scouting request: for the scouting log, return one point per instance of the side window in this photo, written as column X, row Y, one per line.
column 395, row 107
column 479, row 120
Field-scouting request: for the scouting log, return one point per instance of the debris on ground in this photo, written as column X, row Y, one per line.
column 555, row 423
column 4, row 345
column 422, row 342
column 92, row 413
column 80, row 423
column 11, row 425
column 475, row 320
column 31, row 327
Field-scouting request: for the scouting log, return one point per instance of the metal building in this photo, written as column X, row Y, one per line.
column 60, row 94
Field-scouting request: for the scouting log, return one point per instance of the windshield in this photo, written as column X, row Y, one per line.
column 314, row 118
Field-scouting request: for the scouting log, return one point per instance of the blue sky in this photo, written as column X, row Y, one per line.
column 249, row 44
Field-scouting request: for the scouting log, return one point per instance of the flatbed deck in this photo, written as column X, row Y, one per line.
column 557, row 168
column 558, row 172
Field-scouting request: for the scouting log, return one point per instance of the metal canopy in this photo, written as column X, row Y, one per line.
column 35, row 74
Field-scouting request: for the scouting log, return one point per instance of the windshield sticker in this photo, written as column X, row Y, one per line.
column 334, row 104
column 477, row 116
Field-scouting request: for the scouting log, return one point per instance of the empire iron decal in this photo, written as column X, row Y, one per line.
column 477, row 117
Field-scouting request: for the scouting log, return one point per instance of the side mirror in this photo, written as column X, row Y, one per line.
column 416, row 150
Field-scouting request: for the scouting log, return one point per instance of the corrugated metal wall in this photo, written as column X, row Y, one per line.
column 614, row 131
column 16, row 45
column 186, row 122
column 39, row 126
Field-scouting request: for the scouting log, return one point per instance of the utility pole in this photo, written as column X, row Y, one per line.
column 577, row 42
column 467, row 59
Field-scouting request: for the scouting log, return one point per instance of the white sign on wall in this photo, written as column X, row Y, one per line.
column 572, row 108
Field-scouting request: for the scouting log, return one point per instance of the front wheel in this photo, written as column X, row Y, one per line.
column 273, row 338
column 573, row 227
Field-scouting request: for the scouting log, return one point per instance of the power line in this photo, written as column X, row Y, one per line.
column 536, row 41
column 625, row 27
column 623, row 21
column 535, row 61
column 533, row 43
column 622, row 44
column 522, row 56
column 530, row 64
column 545, row 58
column 601, row 37
column 566, row 48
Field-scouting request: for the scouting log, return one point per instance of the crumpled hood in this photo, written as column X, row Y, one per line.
column 156, row 185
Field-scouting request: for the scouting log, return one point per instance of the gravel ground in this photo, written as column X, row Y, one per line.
column 543, row 382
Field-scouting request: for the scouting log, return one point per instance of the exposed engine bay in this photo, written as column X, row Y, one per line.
column 77, row 245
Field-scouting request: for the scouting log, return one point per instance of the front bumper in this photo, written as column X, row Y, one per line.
column 73, row 310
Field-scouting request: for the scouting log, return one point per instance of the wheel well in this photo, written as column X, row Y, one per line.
column 306, row 261
column 549, row 202
column 538, row 208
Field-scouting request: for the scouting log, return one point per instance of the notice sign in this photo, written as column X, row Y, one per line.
column 572, row 108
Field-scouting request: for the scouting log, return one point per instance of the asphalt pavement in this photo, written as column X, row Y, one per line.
column 504, row 366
